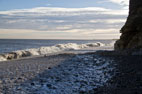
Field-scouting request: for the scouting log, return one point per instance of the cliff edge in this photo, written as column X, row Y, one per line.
column 131, row 37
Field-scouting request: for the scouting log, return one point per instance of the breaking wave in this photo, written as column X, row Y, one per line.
column 46, row 50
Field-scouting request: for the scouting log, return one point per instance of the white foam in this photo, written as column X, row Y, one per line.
column 111, row 44
column 47, row 50
column 2, row 58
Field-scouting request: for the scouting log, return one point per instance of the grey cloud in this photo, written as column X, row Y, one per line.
column 60, row 20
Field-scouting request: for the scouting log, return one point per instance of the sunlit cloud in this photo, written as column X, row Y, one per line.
column 69, row 34
column 49, row 22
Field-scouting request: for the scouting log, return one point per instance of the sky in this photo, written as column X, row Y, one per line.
column 62, row 19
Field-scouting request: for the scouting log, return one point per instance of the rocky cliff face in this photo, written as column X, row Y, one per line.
column 131, row 37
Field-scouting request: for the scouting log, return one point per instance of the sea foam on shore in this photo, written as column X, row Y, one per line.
column 47, row 50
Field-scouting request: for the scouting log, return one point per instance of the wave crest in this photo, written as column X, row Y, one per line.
column 47, row 50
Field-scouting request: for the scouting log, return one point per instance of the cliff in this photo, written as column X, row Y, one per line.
column 131, row 37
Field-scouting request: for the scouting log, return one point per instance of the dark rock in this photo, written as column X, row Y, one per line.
column 82, row 92
column 49, row 67
column 32, row 84
column 49, row 85
column 131, row 37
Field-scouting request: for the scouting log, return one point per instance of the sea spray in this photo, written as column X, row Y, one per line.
column 47, row 50
column 2, row 58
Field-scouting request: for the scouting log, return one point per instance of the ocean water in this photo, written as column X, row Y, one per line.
column 9, row 45
column 15, row 49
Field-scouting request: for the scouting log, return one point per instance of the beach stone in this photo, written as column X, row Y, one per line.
column 131, row 37
column 32, row 84
column 49, row 67
column 0, row 82
column 49, row 85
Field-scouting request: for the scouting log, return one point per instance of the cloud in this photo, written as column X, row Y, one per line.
column 55, row 21
column 124, row 3
column 55, row 11
column 69, row 34
column 108, row 21
column 120, row 2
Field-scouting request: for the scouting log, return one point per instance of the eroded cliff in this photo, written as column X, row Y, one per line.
column 131, row 37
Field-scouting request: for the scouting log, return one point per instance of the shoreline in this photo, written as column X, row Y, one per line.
column 56, row 49
column 47, row 50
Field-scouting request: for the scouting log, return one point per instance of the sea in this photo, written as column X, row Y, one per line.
column 9, row 45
